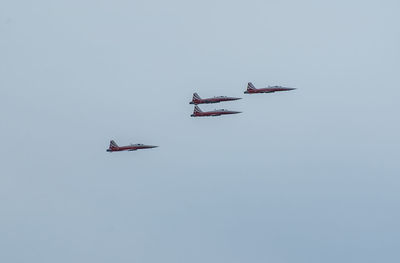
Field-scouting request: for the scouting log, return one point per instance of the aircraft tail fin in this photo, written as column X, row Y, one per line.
column 196, row 96
column 113, row 144
column 197, row 109
column 250, row 86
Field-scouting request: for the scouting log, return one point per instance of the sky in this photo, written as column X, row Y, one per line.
column 310, row 175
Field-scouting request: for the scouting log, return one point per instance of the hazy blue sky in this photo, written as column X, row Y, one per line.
column 306, row 176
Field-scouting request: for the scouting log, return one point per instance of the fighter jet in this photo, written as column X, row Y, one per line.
column 197, row 100
column 199, row 113
column 270, row 89
column 132, row 147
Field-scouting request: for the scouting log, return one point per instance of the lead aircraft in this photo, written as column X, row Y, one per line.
column 197, row 100
column 132, row 147
column 199, row 113
column 270, row 89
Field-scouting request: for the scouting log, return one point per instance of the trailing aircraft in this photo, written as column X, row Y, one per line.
column 197, row 100
column 199, row 113
column 132, row 147
column 270, row 89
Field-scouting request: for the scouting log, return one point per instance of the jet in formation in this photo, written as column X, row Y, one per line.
column 199, row 113
column 132, row 147
column 197, row 100
column 270, row 89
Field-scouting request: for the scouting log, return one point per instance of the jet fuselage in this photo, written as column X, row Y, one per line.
column 213, row 100
column 132, row 147
column 268, row 90
column 214, row 113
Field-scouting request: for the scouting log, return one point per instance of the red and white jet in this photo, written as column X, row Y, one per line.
column 270, row 89
column 197, row 100
column 132, row 147
column 199, row 113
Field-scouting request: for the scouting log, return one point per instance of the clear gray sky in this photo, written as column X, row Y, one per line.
column 304, row 176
